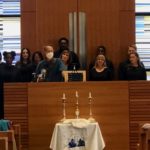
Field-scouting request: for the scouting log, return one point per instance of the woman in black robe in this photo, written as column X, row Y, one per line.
column 134, row 70
column 24, row 66
column 100, row 71
column 8, row 70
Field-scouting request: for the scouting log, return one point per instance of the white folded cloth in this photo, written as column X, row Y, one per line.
column 146, row 126
column 78, row 123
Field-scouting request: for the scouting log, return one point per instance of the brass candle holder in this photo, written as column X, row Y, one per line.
column 64, row 107
column 77, row 112
column 91, row 119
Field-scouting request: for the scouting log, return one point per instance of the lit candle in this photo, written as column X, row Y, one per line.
column 77, row 94
column 64, row 96
column 90, row 96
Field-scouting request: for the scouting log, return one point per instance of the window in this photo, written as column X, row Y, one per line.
column 143, row 31
column 10, row 26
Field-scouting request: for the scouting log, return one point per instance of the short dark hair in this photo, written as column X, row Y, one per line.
column 63, row 38
column 12, row 53
column 39, row 53
column 101, row 46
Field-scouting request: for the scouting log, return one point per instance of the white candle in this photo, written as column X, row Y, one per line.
column 64, row 96
column 77, row 94
column 90, row 96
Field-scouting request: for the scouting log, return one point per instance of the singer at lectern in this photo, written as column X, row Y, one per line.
column 50, row 69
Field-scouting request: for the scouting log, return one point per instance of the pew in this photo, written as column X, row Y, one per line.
column 17, row 133
column 3, row 143
column 11, row 139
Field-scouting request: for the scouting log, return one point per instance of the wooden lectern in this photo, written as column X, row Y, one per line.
column 74, row 75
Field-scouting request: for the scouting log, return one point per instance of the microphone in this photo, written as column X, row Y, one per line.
column 74, row 67
column 43, row 73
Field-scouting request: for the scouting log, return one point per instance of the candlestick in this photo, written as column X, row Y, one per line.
column 64, row 96
column 77, row 94
column 77, row 112
column 64, row 107
column 90, row 111
column 90, row 96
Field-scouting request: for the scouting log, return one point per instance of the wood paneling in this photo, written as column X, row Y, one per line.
column 16, row 107
column 99, row 5
column 127, row 33
column 45, row 109
column 127, row 5
column 53, row 20
column 28, row 5
column 4, row 143
column 109, row 22
column 28, row 30
column 102, row 28
column 139, row 108
column 109, row 98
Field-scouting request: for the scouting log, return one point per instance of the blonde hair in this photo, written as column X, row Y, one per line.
column 100, row 56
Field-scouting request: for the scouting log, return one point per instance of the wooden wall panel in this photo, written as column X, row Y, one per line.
column 45, row 105
column 28, row 30
column 109, row 22
column 53, row 20
column 127, row 32
column 16, row 108
column 28, row 5
column 139, row 95
column 110, row 109
column 99, row 5
column 127, row 5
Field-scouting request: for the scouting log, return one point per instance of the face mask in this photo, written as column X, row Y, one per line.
column 49, row 55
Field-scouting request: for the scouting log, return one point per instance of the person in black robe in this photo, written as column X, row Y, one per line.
column 102, row 50
column 100, row 71
column 63, row 44
column 9, row 71
column 37, row 57
column 24, row 66
column 134, row 70
column 123, row 65
column 67, row 59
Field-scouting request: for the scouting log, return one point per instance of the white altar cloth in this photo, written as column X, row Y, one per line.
column 83, row 136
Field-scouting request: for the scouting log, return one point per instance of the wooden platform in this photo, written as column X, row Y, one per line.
column 119, row 107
